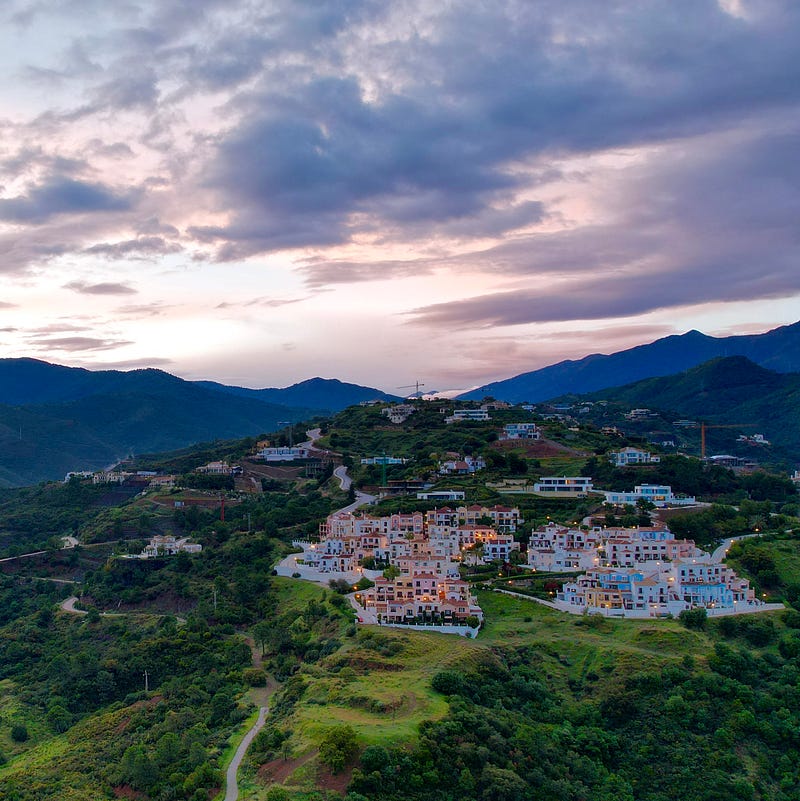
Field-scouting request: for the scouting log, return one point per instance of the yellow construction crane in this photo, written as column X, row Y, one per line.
column 704, row 426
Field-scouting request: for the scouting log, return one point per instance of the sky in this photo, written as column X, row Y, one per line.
column 259, row 192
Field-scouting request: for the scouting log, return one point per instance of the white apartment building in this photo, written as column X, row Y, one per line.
column 283, row 454
column 559, row 548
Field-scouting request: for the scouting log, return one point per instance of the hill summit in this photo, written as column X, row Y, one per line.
column 777, row 350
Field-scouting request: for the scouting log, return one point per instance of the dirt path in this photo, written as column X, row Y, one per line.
column 68, row 605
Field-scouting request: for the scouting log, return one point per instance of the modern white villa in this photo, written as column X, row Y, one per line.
column 627, row 456
column 657, row 494
column 563, row 486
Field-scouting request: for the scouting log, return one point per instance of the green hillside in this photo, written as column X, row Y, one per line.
column 45, row 442
column 727, row 391
column 540, row 705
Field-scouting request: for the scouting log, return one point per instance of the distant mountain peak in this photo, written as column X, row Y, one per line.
column 778, row 350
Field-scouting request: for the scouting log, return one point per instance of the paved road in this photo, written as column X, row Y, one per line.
column 721, row 552
column 362, row 499
column 231, row 782
column 313, row 435
column 344, row 480
column 68, row 605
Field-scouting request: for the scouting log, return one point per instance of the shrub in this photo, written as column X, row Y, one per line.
column 19, row 733
column 448, row 682
column 255, row 677
column 791, row 618
column 694, row 618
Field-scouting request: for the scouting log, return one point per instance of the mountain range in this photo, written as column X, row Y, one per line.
column 54, row 419
column 777, row 350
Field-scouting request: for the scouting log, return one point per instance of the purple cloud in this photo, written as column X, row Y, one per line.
column 100, row 289
column 60, row 195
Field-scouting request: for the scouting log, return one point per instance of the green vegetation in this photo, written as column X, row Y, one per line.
column 146, row 695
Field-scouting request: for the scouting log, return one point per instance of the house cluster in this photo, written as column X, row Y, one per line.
column 151, row 478
column 425, row 548
column 166, row 545
column 658, row 589
column 636, row 572
column 561, row 548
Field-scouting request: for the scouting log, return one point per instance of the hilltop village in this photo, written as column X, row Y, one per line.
column 410, row 567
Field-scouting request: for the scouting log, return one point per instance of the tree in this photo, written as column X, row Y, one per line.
column 58, row 718
column 339, row 745
column 262, row 632
column 168, row 749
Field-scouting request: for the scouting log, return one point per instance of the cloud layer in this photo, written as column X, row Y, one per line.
column 505, row 165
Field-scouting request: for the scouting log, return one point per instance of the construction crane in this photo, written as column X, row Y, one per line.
column 416, row 386
column 704, row 426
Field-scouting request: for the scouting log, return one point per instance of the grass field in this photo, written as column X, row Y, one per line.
column 380, row 683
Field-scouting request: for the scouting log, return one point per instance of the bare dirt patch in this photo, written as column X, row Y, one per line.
column 279, row 770
column 539, row 448
column 126, row 791
column 336, row 782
